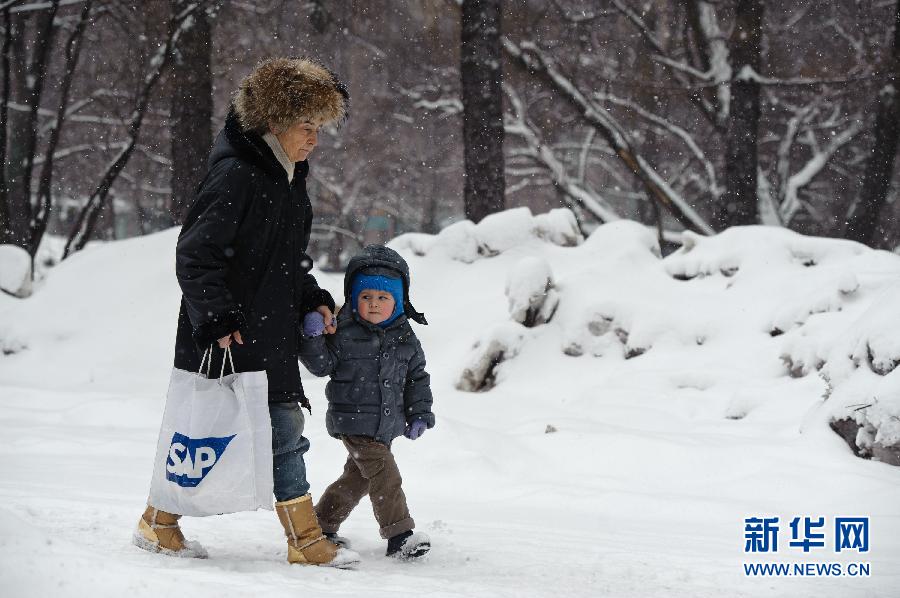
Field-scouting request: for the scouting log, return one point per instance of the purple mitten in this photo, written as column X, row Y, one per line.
column 415, row 429
column 313, row 324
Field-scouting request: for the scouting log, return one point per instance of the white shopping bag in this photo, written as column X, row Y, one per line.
column 215, row 445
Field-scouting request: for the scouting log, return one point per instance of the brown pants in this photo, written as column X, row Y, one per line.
column 370, row 469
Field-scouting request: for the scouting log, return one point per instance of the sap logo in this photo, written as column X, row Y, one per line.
column 190, row 459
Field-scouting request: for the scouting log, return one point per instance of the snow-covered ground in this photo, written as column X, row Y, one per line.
column 642, row 489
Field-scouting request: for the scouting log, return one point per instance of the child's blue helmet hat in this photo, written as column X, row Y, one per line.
column 387, row 281
column 379, row 260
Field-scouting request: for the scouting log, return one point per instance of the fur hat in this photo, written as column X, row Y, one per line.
column 283, row 91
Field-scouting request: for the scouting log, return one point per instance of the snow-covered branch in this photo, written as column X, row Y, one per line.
column 445, row 103
column 331, row 230
column 679, row 69
column 539, row 64
column 35, row 6
column 790, row 203
column 679, row 132
column 713, row 47
column 575, row 192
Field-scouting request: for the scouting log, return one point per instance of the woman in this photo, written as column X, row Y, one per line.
column 242, row 266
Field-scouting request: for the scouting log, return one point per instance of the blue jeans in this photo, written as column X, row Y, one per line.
column 288, row 447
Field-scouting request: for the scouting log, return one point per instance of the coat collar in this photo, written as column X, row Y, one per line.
column 234, row 141
column 280, row 155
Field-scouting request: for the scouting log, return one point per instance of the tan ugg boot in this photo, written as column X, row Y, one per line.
column 306, row 543
column 158, row 531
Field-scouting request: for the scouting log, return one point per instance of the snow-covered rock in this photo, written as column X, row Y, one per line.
column 15, row 271
column 499, row 344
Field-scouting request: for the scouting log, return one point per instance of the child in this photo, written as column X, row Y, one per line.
column 379, row 389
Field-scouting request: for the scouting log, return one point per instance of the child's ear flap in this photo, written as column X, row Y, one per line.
column 412, row 314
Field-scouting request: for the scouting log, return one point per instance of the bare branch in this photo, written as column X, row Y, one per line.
column 533, row 59
column 803, row 177
column 575, row 192
column 675, row 130
column 88, row 216
column 38, row 6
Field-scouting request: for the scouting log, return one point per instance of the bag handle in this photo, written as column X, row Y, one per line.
column 230, row 361
column 208, row 353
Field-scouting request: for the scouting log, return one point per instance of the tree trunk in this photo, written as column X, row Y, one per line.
column 27, row 86
column 739, row 204
column 648, row 211
column 192, row 107
column 481, row 70
column 44, row 192
column 5, row 216
column 37, row 72
column 862, row 221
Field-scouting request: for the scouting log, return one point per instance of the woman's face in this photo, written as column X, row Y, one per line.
column 299, row 140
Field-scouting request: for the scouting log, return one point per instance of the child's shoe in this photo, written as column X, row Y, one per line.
column 408, row 545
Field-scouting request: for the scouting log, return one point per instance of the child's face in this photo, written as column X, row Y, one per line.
column 375, row 306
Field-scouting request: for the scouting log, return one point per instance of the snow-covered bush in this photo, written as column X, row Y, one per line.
column 529, row 288
column 559, row 227
column 467, row 242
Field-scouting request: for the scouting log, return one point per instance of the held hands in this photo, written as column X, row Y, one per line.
column 415, row 429
column 328, row 319
column 314, row 323
column 225, row 341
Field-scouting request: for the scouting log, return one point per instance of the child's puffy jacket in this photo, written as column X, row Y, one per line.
column 378, row 379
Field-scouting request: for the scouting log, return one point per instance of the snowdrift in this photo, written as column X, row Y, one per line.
column 606, row 419
column 747, row 297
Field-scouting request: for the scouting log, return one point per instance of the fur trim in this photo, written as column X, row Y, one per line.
column 286, row 90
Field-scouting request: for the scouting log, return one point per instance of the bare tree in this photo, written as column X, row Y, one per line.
column 24, row 126
column 738, row 204
column 192, row 106
column 5, row 70
column 44, row 196
column 87, row 219
column 481, row 73
column 863, row 217
column 542, row 66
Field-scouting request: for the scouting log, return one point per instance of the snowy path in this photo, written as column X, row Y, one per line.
column 548, row 523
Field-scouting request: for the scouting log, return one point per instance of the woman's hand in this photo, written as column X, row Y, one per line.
column 328, row 317
column 225, row 341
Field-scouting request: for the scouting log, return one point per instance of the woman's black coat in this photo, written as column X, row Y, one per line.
column 242, row 265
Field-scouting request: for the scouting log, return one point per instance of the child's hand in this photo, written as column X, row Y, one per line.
column 415, row 429
column 328, row 318
column 313, row 324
